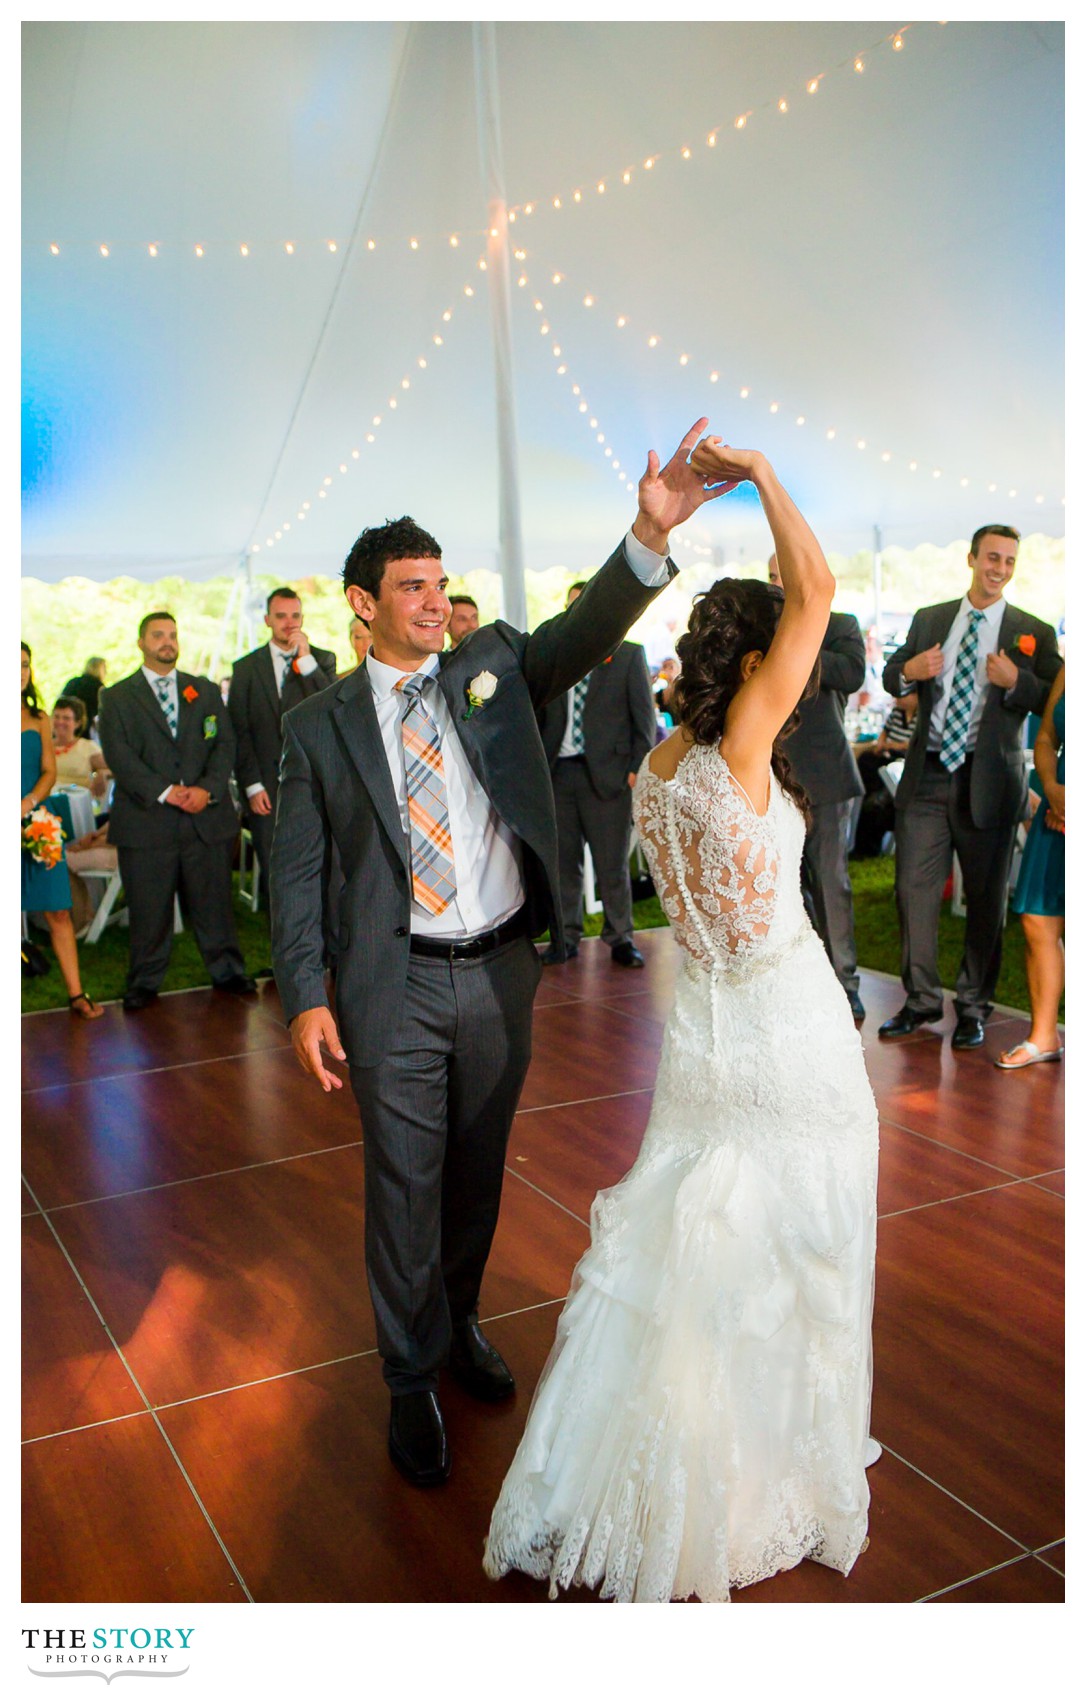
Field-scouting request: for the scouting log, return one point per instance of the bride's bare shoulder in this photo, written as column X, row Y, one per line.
column 665, row 758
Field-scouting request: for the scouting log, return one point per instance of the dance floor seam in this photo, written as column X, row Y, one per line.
column 235, row 1316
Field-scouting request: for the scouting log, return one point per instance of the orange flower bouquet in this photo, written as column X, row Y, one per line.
column 43, row 836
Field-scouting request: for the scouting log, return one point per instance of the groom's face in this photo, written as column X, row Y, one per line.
column 408, row 619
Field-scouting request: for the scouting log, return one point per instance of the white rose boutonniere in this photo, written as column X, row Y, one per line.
column 480, row 690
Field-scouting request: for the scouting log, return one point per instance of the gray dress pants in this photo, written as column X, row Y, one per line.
column 436, row 1113
column 827, row 889
column 604, row 824
column 936, row 822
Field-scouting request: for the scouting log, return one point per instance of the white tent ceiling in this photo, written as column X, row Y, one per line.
column 885, row 260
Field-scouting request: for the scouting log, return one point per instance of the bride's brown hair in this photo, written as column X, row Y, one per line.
column 734, row 617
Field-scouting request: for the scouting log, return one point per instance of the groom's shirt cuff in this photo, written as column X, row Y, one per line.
column 645, row 563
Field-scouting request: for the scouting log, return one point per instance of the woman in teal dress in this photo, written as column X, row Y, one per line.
column 48, row 889
column 1039, row 893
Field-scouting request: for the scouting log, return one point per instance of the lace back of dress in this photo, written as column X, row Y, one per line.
column 713, row 858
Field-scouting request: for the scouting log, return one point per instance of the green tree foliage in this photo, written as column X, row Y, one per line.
column 65, row 623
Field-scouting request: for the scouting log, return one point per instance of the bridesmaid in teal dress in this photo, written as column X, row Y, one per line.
column 48, row 889
column 1039, row 893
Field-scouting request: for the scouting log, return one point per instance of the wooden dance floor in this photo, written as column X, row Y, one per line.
column 204, row 1413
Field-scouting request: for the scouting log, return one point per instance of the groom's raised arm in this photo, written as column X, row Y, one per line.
column 565, row 648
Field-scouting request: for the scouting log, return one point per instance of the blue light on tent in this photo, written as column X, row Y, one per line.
column 38, row 432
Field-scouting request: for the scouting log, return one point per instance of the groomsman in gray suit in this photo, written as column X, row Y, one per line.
column 823, row 762
column 265, row 684
column 980, row 666
column 426, row 771
column 170, row 745
column 596, row 737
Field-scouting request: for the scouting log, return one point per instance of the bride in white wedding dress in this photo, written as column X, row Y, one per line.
column 702, row 1420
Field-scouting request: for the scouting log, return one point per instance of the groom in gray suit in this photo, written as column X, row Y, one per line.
column 427, row 773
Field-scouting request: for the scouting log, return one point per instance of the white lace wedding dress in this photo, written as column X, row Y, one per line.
column 701, row 1421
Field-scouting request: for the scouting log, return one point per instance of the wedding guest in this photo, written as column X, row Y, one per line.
column 823, row 764
column 265, row 684
column 664, row 686
column 979, row 666
column 171, row 748
column 877, row 809
column 47, row 889
column 79, row 760
column 596, row 737
column 1039, row 896
column 87, row 685
column 463, row 619
column 361, row 638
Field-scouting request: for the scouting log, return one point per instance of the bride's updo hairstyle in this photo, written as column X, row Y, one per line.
column 734, row 617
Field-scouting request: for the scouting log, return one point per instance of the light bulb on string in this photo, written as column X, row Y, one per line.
column 857, row 64
column 812, row 86
column 332, row 247
column 152, row 249
column 782, row 106
column 103, row 249
column 743, row 393
column 898, row 43
column 53, row 248
column 199, row 252
column 289, row 247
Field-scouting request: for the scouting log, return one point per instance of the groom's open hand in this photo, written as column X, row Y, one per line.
column 666, row 496
column 308, row 1032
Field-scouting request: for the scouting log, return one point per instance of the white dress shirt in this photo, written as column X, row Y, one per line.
column 486, row 852
column 987, row 638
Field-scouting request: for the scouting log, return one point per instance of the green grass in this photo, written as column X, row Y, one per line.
column 105, row 964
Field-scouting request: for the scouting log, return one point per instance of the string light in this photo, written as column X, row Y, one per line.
column 782, row 106
column 53, row 249
column 245, row 250
column 199, row 252
column 152, row 249
column 289, row 246
column 857, row 64
column 103, row 249
column 332, row 247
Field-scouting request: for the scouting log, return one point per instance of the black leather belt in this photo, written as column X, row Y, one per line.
column 462, row 950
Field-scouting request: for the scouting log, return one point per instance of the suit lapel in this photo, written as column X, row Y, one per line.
column 942, row 620
column 356, row 717
column 452, row 680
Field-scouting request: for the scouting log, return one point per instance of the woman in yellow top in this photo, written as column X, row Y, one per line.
column 79, row 760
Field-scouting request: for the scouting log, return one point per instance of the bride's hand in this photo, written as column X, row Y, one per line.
column 718, row 461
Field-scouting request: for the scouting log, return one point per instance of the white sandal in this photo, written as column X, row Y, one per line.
column 1033, row 1055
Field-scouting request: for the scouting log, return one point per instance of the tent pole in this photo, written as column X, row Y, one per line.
column 876, row 581
column 514, row 598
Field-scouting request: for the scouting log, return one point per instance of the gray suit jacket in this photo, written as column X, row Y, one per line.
column 619, row 720
column 256, row 711
column 145, row 758
column 335, row 787
column 997, row 786
column 818, row 749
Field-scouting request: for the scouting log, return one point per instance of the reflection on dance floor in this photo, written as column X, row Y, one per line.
column 195, row 1307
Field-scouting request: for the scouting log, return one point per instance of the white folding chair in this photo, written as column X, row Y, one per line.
column 104, row 915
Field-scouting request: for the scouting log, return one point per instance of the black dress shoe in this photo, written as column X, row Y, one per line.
column 856, row 1006
column 627, row 956
column 968, row 1033
column 417, row 1443
column 237, row 983
column 550, row 957
column 138, row 998
column 477, row 1366
column 906, row 1021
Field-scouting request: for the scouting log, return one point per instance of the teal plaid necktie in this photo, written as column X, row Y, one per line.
column 960, row 707
column 162, row 686
column 580, row 691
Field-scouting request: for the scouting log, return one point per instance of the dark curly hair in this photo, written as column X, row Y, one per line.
column 396, row 540
column 726, row 622
column 31, row 696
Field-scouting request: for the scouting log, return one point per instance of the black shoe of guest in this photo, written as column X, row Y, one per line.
column 906, row 1021
column 477, row 1366
column 550, row 957
column 417, row 1443
column 967, row 1034
column 138, row 998
column 856, row 1006
column 237, row 983
column 627, row 955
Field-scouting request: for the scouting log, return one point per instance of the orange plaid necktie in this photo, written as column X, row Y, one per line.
column 433, row 872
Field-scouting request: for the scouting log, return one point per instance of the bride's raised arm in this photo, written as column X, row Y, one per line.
column 773, row 683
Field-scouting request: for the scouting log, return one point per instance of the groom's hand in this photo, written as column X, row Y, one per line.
column 666, row 496
column 308, row 1032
